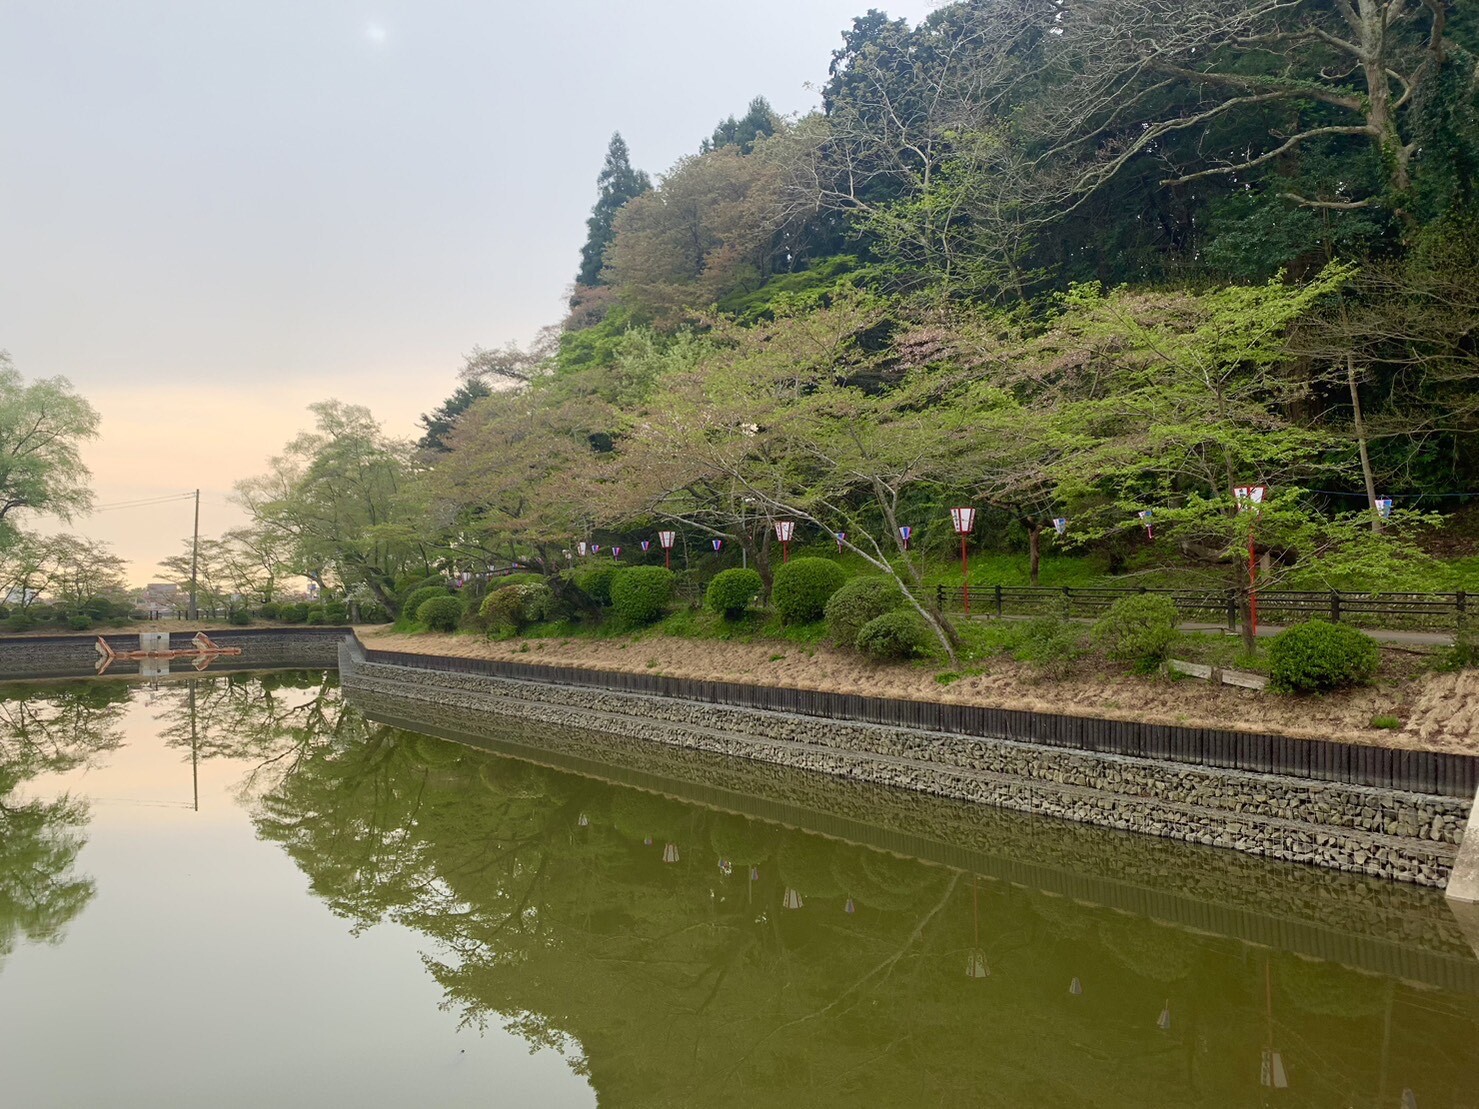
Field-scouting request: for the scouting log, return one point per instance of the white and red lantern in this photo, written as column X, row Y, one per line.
column 615, row 552
column 718, row 545
column 785, row 530
column 666, row 539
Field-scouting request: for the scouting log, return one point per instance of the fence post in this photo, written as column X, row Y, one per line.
column 1335, row 606
column 997, row 590
column 1067, row 601
column 940, row 598
column 1461, row 603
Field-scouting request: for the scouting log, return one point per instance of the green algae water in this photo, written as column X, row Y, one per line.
column 240, row 890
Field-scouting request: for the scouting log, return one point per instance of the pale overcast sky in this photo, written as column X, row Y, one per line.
column 212, row 214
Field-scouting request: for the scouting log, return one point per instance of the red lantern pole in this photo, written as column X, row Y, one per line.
column 1249, row 498
column 667, row 539
column 964, row 519
column 784, row 530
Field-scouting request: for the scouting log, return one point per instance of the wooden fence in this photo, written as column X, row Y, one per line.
column 1431, row 772
column 1395, row 611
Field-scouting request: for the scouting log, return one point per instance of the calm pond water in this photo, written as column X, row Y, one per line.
column 236, row 890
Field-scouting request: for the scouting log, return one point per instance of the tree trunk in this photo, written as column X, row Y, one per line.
column 1034, row 550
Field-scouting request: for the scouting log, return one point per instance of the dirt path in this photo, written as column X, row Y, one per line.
column 1440, row 712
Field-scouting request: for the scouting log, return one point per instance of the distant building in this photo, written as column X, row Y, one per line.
column 160, row 599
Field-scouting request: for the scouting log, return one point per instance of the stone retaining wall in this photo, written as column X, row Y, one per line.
column 47, row 656
column 1403, row 836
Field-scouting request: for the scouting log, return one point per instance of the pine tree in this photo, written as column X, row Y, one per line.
column 618, row 183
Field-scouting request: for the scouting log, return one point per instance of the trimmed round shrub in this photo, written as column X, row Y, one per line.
column 803, row 587
column 19, row 622
column 240, row 617
column 294, row 613
column 1320, row 656
column 1138, row 630
column 440, row 614
column 411, row 609
column 515, row 607
column 335, row 612
column 732, row 591
column 79, row 621
column 595, row 583
column 639, row 594
column 270, row 610
column 858, row 601
column 894, row 635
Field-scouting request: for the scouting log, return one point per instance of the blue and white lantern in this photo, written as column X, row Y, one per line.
column 1060, row 524
column 1384, row 507
column 904, row 533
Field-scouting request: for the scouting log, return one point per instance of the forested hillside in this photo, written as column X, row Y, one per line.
column 1067, row 261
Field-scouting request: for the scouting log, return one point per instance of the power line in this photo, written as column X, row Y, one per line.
column 143, row 502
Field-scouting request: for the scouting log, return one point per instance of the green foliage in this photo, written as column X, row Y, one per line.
column 335, row 612
column 440, row 614
column 294, row 613
column 240, row 617
column 595, row 582
column 19, row 622
column 1386, row 723
column 1049, row 643
column 1138, row 630
column 640, row 593
column 1319, row 656
column 315, row 617
column 858, row 601
column 79, row 622
column 512, row 608
column 617, row 184
column 899, row 634
column 803, row 587
column 1462, row 655
column 270, row 610
column 411, row 607
column 731, row 592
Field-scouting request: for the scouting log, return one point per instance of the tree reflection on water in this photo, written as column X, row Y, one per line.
column 549, row 909
column 47, row 731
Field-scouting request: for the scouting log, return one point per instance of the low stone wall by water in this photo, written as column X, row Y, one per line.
column 62, row 656
column 1410, row 837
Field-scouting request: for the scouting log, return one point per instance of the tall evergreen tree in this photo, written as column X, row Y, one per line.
column 618, row 183
column 759, row 121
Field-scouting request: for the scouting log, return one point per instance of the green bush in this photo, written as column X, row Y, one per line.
column 19, row 622
column 1319, row 656
column 335, row 612
column 270, row 610
column 440, row 614
column 514, row 607
column 1050, row 643
column 732, row 591
column 295, row 613
column 640, row 593
column 79, row 621
column 411, row 608
column 859, row 601
column 240, row 617
column 894, row 635
column 1138, row 630
column 803, row 587
column 1463, row 655
column 315, row 617
column 595, row 583
column 405, row 586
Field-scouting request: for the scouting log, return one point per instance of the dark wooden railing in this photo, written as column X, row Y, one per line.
column 1395, row 611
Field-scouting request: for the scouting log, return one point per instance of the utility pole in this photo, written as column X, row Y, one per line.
column 195, row 558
